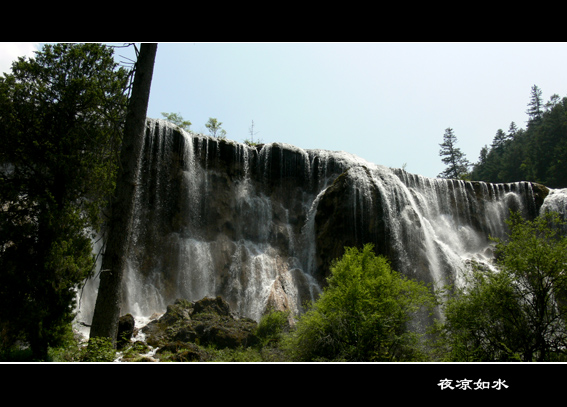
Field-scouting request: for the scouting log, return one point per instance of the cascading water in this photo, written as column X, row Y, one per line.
column 556, row 201
column 456, row 219
column 259, row 225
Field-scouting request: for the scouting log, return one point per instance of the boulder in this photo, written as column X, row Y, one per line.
column 125, row 332
column 208, row 322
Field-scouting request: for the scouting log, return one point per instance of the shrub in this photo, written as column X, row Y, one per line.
column 362, row 315
column 520, row 311
column 99, row 350
column 272, row 326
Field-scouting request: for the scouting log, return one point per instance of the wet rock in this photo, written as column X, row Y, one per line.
column 208, row 322
column 126, row 325
column 345, row 218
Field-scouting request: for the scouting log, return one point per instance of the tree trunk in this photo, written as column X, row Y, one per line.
column 109, row 299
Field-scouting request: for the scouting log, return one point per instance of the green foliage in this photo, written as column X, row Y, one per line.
column 453, row 157
column 520, row 311
column 215, row 128
column 99, row 350
column 177, row 119
column 272, row 326
column 61, row 117
column 537, row 153
column 362, row 315
column 535, row 106
column 69, row 348
column 134, row 351
column 252, row 143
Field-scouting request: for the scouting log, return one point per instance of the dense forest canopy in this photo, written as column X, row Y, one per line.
column 537, row 153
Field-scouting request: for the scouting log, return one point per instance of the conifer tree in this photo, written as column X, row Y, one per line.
column 499, row 141
column 512, row 130
column 535, row 105
column 453, row 157
column 61, row 115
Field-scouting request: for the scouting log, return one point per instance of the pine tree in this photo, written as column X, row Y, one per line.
column 453, row 157
column 499, row 140
column 535, row 111
column 512, row 130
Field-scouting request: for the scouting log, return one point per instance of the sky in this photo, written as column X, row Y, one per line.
column 388, row 103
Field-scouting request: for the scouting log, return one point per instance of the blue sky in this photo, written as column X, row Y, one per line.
column 388, row 103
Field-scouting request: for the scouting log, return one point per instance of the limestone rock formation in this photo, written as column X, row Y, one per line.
column 260, row 226
column 208, row 321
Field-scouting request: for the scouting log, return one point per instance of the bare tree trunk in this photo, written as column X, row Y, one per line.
column 109, row 299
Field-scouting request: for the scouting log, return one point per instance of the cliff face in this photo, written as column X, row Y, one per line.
column 260, row 225
column 216, row 217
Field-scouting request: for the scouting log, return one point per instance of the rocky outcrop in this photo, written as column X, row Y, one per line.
column 540, row 193
column 126, row 326
column 344, row 219
column 190, row 325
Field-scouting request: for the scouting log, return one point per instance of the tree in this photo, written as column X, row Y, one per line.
column 535, row 106
column 551, row 143
column 177, row 119
column 457, row 164
column 251, row 141
column 109, row 299
column 483, row 155
column 537, row 153
column 518, row 312
column 554, row 100
column 252, row 132
column 499, row 141
column 362, row 314
column 214, row 127
column 60, row 118
column 512, row 130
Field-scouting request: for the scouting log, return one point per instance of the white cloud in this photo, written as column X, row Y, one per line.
column 10, row 51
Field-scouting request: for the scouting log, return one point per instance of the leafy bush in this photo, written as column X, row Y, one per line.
column 520, row 311
column 99, row 350
column 272, row 326
column 362, row 315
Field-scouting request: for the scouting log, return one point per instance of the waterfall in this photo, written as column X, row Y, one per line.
column 556, row 201
column 449, row 222
column 259, row 225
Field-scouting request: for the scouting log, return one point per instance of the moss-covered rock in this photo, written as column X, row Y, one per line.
column 188, row 326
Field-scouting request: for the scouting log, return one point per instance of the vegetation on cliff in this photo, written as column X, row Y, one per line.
column 537, row 153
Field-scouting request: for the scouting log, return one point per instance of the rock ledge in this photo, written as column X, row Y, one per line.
column 189, row 326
